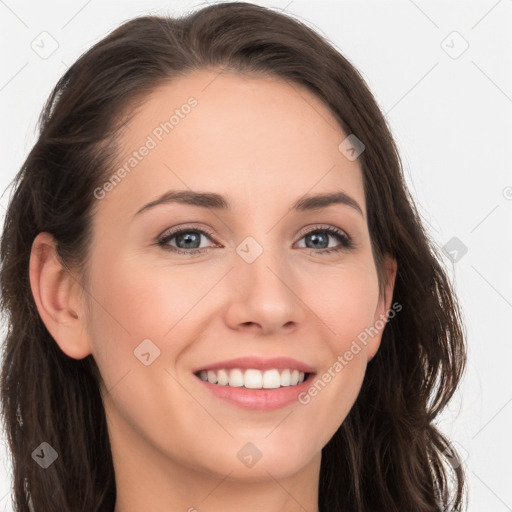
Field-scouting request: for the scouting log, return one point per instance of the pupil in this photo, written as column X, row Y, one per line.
column 187, row 237
column 314, row 238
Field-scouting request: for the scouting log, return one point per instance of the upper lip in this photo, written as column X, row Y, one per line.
column 258, row 363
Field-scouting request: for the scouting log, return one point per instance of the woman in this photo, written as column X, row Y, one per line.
column 179, row 336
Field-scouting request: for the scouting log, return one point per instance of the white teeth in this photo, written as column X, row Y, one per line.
column 252, row 378
column 236, row 378
column 271, row 379
column 285, row 378
column 222, row 377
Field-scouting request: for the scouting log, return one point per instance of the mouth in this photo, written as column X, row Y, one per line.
column 256, row 383
column 253, row 378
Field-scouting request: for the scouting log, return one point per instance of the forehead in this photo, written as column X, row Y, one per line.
column 246, row 136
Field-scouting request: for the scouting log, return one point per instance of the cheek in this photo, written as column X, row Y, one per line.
column 139, row 300
column 347, row 307
column 128, row 307
column 134, row 302
column 132, row 310
column 345, row 300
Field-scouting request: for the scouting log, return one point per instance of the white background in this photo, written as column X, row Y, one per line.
column 451, row 118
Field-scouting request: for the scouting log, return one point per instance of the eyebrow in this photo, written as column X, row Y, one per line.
column 218, row 202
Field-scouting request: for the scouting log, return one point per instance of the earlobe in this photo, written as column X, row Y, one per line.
column 391, row 270
column 384, row 306
column 56, row 294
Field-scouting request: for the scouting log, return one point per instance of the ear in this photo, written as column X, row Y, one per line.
column 383, row 307
column 57, row 294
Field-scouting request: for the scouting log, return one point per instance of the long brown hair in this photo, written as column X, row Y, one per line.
column 388, row 454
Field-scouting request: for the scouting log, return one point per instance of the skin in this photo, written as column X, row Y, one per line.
column 263, row 144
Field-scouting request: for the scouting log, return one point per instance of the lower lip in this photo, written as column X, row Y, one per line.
column 258, row 399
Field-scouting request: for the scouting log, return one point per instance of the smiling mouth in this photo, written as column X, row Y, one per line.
column 253, row 378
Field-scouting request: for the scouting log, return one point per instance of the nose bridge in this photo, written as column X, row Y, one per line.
column 259, row 260
column 263, row 283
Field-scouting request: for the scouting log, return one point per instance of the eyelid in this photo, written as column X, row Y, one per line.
column 180, row 229
column 320, row 227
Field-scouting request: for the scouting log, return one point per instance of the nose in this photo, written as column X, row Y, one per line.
column 263, row 298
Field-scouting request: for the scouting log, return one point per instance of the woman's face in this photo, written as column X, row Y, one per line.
column 259, row 282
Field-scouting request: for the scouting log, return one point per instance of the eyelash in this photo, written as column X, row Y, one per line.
column 346, row 242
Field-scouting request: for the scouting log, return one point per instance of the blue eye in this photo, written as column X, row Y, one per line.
column 317, row 235
column 189, row 238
